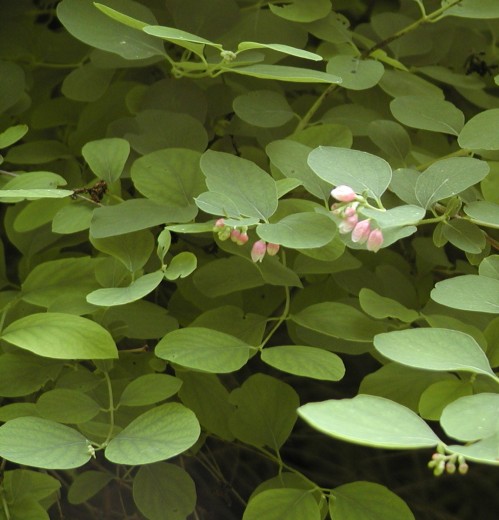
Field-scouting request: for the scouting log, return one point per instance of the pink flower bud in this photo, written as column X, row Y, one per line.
column 220, row 223
column 258, row 251
column 235, row 234
column 375, row 240
column 343, row 193
column 243, row 238
column 347, row 224
column 361, row 231
column 350, row 211
column 272, row 249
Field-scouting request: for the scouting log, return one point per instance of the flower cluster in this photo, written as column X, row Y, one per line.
column 441, row 463
column 361, row 229
column 240, row 237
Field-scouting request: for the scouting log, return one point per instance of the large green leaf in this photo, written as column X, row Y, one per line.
column 265, row 411
column 84, row 21
column 483, row 213
column 158, row 434
column 434, row 349
column 472, row 417
column 304, row 361
column 339, row 321
column 134, row 215
column 371, row 421
column 170, row 177
column 61, row 336
column 381, row 307
column 33, row 194
column 86, row 485
column 250, row 188
column 149, row 389
column 107, row 157
column 122, row 295
column 299, row 231
column 12, row 134
column 362, row 171
column 164, row 490
column 263, row 108
column 285, row 73
column 438, row 395
column 448, row 177
column 13, row 84
column 54, row 446
column 356, row 74
column 204, row 349
column 465, row 235
column 367, row 501
column 481, row 9
column 481, row 131
column 301, row 11
column 279, row 47
column 277, row 504
column 470, row 292
column 67, row 406
column 428, row 113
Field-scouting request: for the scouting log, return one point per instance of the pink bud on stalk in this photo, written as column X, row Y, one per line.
column 220, row 223
column 361, row 231
column 258, row 251
column 243, row 238
column 375, row 240
column 272, row 249
column 343, row 193
column 347, row 224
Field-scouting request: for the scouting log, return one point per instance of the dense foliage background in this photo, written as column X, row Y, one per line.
column 190, row 328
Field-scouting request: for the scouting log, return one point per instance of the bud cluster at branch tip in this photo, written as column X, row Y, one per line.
column 346, row 209
column 441, row 463
column 260, row 248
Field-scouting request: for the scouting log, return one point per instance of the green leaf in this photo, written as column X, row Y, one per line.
column 481, row 9
column 291, row 159
column 448, row 177
column 107, row 157
column 181, row 265
column 122, row 295
column 120, row 17
column 132, row 249
column 34, row 194
column 85, row 22
column 182, row 38
column 438, row 395
column 483, row 213
column 22, row 373
column 265, row 411
column 205, row 395
column 149, row 389
column 30, row 180
column 67, row 406
column 483, row 451
column 304, row 361
column 434, row 349
column 428, row 113
column 464, row 235
column 285, row 73
column 86, row 485
column 164, row 490
column 380, row 307
column 279, row 47
column 472, row 417
column 226, row 276
column 390, row 137
column 276, row 504
column 356, row 74
column 367, row 501
column 158, row 434
column 469, row 292
column 362, row 171
column 12, row 134
column 171, row 177
column 203, row 349
column 134, row 215
column 339, row 321
column 489, row 267
column 37, row 152
column 72, row 219
column 370, row 421
column 48, row 281
column 263, row 108
column 61, row 336
column 21, row 484
column 299, row 231
column 87, row 83
column 54, row 446
column 13, row 84
column 481, row 131
column 395, row 217
column 250, row 188
column 302, row 11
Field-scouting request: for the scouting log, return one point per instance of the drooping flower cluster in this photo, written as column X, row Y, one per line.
column 440, row 463
column 361, row 230
column 240, row 236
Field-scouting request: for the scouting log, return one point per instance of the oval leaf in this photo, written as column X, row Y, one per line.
column 61, row 336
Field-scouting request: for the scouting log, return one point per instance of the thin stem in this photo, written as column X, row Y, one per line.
column 3, row 172
column 430, row 18
column 110, row 410
column 434, row 220
column 313, row 109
